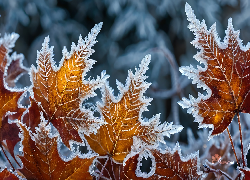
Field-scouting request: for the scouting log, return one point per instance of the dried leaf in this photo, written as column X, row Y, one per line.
column 31, row 117
column 9, row 108
column 9, row 135
column 41, row 159
column 246, row 172
column 225, row 76
column 61, row 91
column 15, row 69
column 123, row 115
column 166, row 164
column 6, row 43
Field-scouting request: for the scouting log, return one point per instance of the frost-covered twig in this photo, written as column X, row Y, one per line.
column 217, row 172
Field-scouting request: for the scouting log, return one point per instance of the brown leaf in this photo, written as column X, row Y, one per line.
column 41, row 159
column 165, row 165
column 226, row 76
column 104, row 167
column 32, row 116
column 6, row 43
column 8, row 98
column 246, row 172
column 9, row 135
column 15, row 70
column 61, row 91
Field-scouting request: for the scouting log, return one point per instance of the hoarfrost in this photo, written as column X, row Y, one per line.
column 145, row 154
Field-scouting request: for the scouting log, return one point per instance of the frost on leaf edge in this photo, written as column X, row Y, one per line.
column 141, row 148
column 87, row 43
column 192, row 73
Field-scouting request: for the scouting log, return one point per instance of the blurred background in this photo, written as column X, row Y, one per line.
column 131, row 29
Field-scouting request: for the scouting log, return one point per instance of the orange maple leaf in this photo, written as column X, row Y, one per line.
column 41, row 159
column 166, row 164
column 61, row 91
column 123, row 115
column 226, row 76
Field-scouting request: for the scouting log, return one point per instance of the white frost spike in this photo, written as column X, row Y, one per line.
column 194, row 23
column 169, row 128
column 185, row 103
column 161, row 130
column 143, row 67
column 83, row 47
column 9, row 40
column 45, row 55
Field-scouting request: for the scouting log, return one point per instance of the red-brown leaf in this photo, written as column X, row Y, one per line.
column 41, row 158
column 226, row 76
column 168, row 165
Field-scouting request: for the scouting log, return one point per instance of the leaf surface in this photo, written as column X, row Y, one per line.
column 61, row 91
column 104, row 167
column 166, row 164
column 226, row 76
column 9, row 107
column 41, row 159
column 123, row 117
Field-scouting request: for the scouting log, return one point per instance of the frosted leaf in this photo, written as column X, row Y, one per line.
column 225, row 76
column 41, row 159
column 60, row 91
column 169, row 128
column 123, row 115
column 165, row 164
column 15, row 69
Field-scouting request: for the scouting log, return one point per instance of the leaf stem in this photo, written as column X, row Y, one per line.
column 216, row 171
column 233, row 146
column 241, row 142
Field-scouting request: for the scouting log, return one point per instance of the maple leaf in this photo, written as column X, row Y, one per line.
column 15, row 69
column 166, row 164
column 60, row 91
column 8, row 97
column 41, row 159
column 123, row 117
column 225, row 76
column 9, row 107
column 6, row 175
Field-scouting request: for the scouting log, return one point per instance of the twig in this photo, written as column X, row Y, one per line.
column 241, row 142
column 216, row 171
column 166, row 94
column 175, row 85
column 232, row 146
